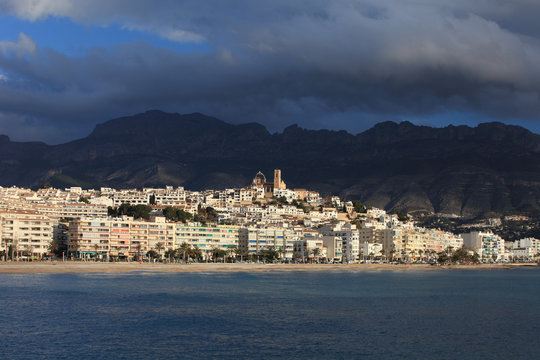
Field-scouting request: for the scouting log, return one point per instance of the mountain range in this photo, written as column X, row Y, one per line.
column 456, row 169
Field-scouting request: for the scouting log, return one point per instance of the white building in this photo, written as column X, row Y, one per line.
column 26, row 232
column 525, row 249
column 370, row 250
column 348, row 233
column 488, row 246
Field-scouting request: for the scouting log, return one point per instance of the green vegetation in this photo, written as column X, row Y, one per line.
column 300, row 205
column 174, row 214
column 269, row 254
column 359, row 207
column 84, row 200
column 402, row 216
column 459, row 256
column 136, row 211
column 218, row 253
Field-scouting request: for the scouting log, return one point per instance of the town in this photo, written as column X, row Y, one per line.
column 262, row 222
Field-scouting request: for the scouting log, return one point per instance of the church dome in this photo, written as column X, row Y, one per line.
column 259, row 179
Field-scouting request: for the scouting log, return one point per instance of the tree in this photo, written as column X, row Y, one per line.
column 12, row 251
column 218, row 253
column 401, row 216
column 152, row 254
column 53, row 246
column 281, row 253
column 159, row 246
column 359, row 207
column 443, row 257
column 211, row 213
column 184, row 249
column 232, row 251
column 460, row 256
column 136, row 211
column 140, row 212
column 96, row 248
column 270, row 254
column 139, row 248
column 175, row 214
column 195, row 253
column 170, row 253
column 112, row 211
column 76, row 246
column 316, row 252
column 237, row 252
column 29, row 251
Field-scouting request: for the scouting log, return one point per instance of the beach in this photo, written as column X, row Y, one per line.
column 100, row 267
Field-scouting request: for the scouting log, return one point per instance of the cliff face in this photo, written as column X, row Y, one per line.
column 493, row 167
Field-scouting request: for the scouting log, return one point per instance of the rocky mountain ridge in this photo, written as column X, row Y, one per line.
column 456, row 169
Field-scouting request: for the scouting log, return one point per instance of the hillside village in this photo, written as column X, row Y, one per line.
column 263, row 221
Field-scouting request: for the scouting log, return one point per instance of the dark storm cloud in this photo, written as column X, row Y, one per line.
column 317, row 63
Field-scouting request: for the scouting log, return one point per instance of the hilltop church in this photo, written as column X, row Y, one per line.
column 259, row 181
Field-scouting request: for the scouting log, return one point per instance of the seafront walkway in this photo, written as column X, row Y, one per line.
column 53, row 267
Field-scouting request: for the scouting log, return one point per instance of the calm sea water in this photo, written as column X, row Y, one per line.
column 368, row 315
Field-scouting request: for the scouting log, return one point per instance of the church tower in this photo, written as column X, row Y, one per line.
column 278, row 183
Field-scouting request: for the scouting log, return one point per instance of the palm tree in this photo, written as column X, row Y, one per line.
column 383, row 255
column 170, row 253
column 184, row 248
column 238, row 252
column 232, row 250
column 139, row 248
column 281, row 253
column 316, row 252
column 76, row 246
column 195, row 253
column 412, row 254
column 53, row 246
column 159, row 246
column 96, row 248
column 29, row 252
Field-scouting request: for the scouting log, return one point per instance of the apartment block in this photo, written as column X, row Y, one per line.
column 26, row 231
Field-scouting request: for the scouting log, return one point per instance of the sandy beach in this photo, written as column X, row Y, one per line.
column 89, row 267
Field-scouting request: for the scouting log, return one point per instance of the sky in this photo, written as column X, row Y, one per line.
column 67, row 65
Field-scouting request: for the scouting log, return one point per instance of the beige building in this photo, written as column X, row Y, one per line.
column 207, row 238
column 253, row 240
column 119, row 237
column 26, row 232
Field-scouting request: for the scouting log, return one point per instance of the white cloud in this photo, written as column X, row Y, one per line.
column 24, row 46
column 181, row 35
column 37, row 9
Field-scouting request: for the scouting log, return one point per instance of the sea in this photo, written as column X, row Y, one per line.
column 449, row 314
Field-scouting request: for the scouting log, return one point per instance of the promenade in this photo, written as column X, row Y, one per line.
column 89, row 267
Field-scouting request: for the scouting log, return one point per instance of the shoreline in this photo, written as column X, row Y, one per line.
column 91, row 267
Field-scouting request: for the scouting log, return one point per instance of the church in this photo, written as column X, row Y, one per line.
column 259, row 181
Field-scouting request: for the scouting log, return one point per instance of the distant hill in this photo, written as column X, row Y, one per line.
column 462, row 170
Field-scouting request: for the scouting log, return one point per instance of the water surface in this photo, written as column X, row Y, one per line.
column 365, row 314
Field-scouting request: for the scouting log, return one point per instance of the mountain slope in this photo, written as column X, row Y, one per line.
column 493, row 167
